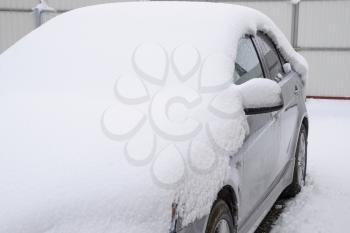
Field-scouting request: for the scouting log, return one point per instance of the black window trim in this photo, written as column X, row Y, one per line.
column 259, row 52
column 256, row 43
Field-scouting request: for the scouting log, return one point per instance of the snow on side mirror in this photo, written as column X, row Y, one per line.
column 261, row 95
column 287, row 68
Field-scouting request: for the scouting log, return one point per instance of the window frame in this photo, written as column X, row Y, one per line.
column 262, row 57
column 258, row 54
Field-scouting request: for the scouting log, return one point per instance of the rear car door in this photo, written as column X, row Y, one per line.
column 261, row 147
column 291, row 89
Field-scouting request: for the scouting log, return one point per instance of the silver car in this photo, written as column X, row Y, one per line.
column 274, row 155
column 101, row 108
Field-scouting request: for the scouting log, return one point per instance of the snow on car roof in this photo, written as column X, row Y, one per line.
column 182, row 20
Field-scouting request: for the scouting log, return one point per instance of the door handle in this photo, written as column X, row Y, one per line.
column 296, row 90
column 278, row 77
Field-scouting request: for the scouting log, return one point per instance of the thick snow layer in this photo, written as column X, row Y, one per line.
column 260, row 93
column 111, row 113
column 323, row 205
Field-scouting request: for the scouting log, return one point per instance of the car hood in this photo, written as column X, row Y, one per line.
column 60, row 173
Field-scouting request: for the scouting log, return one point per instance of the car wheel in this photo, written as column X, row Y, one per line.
column 220, row 219
column 299, row 166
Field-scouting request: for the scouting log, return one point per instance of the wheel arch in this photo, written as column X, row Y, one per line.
column 305, row 122
column 227, row 194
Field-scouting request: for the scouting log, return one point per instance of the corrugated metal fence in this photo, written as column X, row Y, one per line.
column 317, row 28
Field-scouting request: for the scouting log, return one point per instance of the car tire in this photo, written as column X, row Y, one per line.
column 299, row 173
column 220, row 219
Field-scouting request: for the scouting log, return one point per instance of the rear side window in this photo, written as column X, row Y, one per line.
column 247, row 64
column 270, row 54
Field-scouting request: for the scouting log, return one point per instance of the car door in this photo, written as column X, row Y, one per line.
column 261, row 147
column 291, row 89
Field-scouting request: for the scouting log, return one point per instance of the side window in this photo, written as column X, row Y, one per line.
column 271, row 55
column 247, row 64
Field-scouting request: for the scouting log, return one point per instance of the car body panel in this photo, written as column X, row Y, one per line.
column 259, row 159
column 262, row 168
column 289, row 116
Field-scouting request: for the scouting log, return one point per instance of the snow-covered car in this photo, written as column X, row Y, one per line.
column 150, row 117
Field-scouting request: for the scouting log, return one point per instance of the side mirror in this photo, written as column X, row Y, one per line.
column 261, row 95
column 287, row 68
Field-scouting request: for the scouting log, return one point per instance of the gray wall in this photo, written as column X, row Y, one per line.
column 317, row 28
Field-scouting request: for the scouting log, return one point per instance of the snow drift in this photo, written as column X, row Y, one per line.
column 94, row 105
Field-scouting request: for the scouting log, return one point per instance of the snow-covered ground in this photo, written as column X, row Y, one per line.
column 324, row 204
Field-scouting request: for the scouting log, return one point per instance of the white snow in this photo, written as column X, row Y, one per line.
column 72, row 154
column 323, row 205
column 260, row 93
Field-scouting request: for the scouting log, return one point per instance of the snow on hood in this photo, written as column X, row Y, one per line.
column 111, row 113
